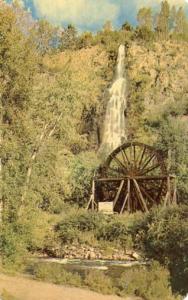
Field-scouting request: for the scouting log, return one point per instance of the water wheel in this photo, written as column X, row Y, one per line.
column 134, row 177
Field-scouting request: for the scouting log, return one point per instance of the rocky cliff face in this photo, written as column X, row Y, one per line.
column 158, row 75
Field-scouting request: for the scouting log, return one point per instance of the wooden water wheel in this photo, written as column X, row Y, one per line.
column 134, row 177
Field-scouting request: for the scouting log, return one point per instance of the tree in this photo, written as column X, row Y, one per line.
column 45, row 37
column 163, row 21
column 69, row 38
column 181, row 22
column 108, row 26
column 144, row 18
column 172, row 19
column 127, row 27
column 18, row 62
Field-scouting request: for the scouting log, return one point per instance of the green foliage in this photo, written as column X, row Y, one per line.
column 99, row 282
column 69, row 39
column 115, row 231
column 45, row 37
column 78, row 171
column 6, row 296
column 163, row 19
column 74, row 225
column 171, row 134
column 150, row 283
column 144, row 18
column 162, row 235
column 56, row 274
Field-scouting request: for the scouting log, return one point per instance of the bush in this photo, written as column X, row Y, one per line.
column 71, row 228
column 56, row 274
column 6, row 296
column 162, row 235
column 99, row 282
column 150, row 283
column 115, row 230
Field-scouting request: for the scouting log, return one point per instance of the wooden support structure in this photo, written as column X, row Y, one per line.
column 134, row 177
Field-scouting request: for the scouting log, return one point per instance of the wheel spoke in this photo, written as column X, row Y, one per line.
column 119, row 163
column 147, row 161
column 116, row 170
column 142, row 155
column 151, row 169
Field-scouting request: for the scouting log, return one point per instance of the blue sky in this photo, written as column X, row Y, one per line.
column 91, row 14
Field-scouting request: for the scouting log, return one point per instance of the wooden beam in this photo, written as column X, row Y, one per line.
column 169, row 189
column 90, row 200
column 118, row 193
column 140, row 195
column 124, row 203
column 147, row 195
column 160, row 191
column 136, row 177
column 129, row 194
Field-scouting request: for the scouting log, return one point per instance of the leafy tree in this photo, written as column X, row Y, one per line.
column 144, row 18
column 172, row 20
column 163, row 20
column 45, row 37
column 127, row 27
column 181, row 26
column 107, row 26
column 162, row 235
column 69, row 38
column 18, row 61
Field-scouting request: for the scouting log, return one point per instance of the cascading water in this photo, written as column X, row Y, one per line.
column 115, row 123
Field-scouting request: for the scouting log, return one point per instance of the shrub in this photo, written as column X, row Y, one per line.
column 151, row 283
column 162, row 235
column 99, row 282
column 56, row 274
column 72, row 226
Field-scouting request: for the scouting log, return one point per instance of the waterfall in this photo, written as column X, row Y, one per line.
column 114, row 133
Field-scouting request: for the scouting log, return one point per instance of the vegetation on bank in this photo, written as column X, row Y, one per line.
column 51, row 122
column 150, row 282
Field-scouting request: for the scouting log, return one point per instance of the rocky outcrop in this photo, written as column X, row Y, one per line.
column 93, row 253
column 157, row 75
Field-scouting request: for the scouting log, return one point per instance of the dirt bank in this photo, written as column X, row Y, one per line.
column 27, row 289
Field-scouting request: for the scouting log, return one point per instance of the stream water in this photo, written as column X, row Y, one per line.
column 110, row 267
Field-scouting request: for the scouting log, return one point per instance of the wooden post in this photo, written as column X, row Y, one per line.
column 118, row 193
column 93, row 194
column 128, row 192
column 169, row 191
column 140, row 195
column 175, row 192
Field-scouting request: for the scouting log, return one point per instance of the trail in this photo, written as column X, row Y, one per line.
column 27, row 289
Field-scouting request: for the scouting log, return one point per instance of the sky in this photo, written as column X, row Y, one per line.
column 91, row 14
